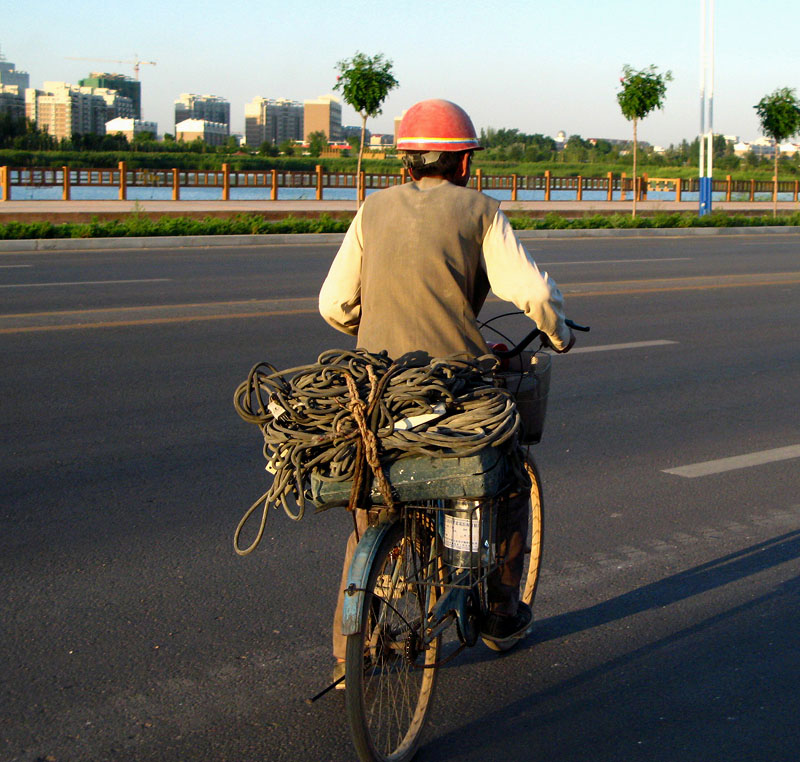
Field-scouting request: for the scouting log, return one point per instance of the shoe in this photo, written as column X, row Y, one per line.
column 502, row 632
column 338, row 673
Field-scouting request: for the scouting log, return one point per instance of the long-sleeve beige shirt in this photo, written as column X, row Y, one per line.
column 512, row 272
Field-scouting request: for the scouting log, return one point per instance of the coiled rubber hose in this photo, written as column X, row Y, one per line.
column 331, row 416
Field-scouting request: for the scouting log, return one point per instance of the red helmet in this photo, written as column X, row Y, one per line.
column 436, row 125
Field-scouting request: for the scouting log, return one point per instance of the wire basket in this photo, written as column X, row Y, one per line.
column 467, row 548
column 528, row 380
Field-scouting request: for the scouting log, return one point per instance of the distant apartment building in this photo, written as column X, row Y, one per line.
column 208, row 108
column 764, row 148
column 12, row 101
column 130, row 88
column 323, row 115
column 13, row 84
column 10, row 76
column 211, row 133
column 130, row 127
column 64, row 110
column 789, row 149
column 397, row 122
column 379, row 141
column 117, row 105
column 273, row 120
column 353, row 131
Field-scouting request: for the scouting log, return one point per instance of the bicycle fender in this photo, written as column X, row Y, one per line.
column 357, row 576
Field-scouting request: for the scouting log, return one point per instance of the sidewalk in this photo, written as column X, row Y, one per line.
column 85, row 211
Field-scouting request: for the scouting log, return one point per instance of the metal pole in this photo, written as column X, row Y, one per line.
column 702, row 135
column 711, row 96
column 706, row 137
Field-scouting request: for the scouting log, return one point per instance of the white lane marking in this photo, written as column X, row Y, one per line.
column 83, row 283
column 613, row 261
column 737, row 461
column 768, row 242
column 8, row 267
column 630, row 345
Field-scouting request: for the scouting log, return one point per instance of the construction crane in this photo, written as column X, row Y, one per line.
column 137, row 62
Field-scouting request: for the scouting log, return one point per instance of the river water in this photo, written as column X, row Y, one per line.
column 79, row 193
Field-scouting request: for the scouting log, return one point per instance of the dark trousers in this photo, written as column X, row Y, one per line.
column 503, row 584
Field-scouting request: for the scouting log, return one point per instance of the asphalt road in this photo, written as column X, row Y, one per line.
column 667, row 617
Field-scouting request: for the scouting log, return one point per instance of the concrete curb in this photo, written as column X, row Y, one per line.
column 660, row 232
column 168, row 242
column 283, row 239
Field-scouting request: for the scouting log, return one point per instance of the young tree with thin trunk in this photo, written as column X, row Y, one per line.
column 642, row 91
column 317, row 142
column 779, row 113
column 364, row 82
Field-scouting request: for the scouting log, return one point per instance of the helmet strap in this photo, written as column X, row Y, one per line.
column 415, row 159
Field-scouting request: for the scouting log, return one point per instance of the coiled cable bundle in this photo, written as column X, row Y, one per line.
column 354, row 410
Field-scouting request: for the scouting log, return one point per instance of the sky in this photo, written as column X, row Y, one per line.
column 538, row 67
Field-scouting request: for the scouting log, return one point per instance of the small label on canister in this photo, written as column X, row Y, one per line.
column 457, row 533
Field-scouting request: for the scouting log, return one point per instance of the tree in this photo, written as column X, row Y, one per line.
column 231, row 145
column 364, row 82
column 779, row 113
column 21, row 133
column 267, row 149
column 576, row 149
column 317, row 142
column 603, row 147
column 642, row 91
column 354, row 142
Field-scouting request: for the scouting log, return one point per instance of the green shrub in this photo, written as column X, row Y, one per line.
column 253, row 224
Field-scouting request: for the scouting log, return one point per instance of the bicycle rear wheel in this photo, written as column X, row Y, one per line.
column 390, row 676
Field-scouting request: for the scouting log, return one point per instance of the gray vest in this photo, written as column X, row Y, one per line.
column 422, row 283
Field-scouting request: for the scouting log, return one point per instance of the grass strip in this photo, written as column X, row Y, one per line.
column 253, row 224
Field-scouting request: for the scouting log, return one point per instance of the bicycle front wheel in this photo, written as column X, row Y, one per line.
column 390, row 675
column 532, row 559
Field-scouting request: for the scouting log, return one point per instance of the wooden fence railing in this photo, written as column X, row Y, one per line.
column 122, row 178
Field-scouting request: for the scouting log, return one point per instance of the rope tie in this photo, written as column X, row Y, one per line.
column 369, row 451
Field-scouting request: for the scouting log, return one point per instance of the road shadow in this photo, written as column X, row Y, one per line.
column 677, row 587
column 721, row 688
column 699, row 579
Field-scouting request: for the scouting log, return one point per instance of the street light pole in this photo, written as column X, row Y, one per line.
column 706, row 138
column 710, row 152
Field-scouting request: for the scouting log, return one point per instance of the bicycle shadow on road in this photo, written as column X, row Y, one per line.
column 719, row 688
column 677, row 587
column 699, row 579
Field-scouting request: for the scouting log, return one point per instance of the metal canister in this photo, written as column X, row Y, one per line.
column 468, row 533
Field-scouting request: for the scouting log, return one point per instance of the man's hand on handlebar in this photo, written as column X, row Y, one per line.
column 548, row 342
column 569, row 346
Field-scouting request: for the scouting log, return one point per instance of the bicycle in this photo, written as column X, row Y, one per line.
column 423, row 567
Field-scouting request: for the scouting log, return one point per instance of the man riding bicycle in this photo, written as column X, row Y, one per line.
column 410, row 277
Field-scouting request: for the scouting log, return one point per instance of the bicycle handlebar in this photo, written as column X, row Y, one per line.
column 505, row 354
